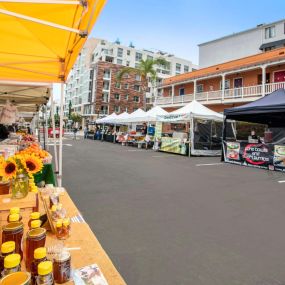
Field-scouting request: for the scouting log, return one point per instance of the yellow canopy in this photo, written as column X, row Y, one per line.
column 41, row 39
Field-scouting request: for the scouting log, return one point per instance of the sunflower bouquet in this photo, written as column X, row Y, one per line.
column 19, row 170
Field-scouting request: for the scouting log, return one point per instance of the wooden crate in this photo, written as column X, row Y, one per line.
column 27, row 205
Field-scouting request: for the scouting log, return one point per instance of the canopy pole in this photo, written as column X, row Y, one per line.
column 46, row 133
column 54, row 135
column 224, row 138
column 60, row 136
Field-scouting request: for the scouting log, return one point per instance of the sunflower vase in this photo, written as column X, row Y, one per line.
column 19, row 187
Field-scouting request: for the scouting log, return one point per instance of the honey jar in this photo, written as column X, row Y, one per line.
column 40, row 255
column 62, row 267
column 11, row 264
column 45, row 276
column 33, row 216
column 7, row 248
column 14, row 232
column 19, row 278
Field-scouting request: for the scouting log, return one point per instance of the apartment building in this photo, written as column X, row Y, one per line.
column 262, row 38
column 92, row 93
column 227, row 84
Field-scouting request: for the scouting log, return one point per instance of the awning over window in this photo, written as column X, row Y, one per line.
column 272, row 44
column 41, row 39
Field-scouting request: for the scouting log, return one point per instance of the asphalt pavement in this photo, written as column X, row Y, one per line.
column 167, row 219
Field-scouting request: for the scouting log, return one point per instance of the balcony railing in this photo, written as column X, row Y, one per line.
column 234, row 94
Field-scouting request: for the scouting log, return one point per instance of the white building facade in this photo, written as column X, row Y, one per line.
column 262, row 38
column 81, row 83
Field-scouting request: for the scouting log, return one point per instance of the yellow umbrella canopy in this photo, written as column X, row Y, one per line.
column 41, row 39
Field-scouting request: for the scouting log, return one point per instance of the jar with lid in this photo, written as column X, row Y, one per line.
column 40, row 255
column 33, row 216
column 7, row 248
column 66, row 227
column 54, row 213
column 14, row 232
column 14, row 210
column 62, row 267
column 36, row 237
column 14, row 278
column 45, row 276
column 59, row 229
column 53, row 199
column 11, row 264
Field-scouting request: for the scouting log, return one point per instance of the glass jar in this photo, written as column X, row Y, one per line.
column 59, row 229
column 7, row 248
column 40, row 255
column 11, row 264
column 22, row 278
column 4, row 187
column 53, row 199
column 14, row 232
column 66, row 227
column 62, row 267
column 33, row 216
column 45, row 276
column 20, row 186
column 14, row 210
column 36, row 238
column 14, row 218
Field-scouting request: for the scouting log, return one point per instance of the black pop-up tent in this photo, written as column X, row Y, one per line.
column 269, row 110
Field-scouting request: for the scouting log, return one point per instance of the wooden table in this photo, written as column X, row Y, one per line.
column 91, row 251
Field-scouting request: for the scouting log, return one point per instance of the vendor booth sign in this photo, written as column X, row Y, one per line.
column 173, row 145
column 259, row 155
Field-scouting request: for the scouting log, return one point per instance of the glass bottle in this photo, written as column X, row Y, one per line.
column 66, row 227
column 36, row 237
column 40, row 255
column 62, row 267
column 14, row 232
column 7, row 248
column 45, row 276
column 14, row 210
column 11, row 264
column 33, row 216
column 59, row 229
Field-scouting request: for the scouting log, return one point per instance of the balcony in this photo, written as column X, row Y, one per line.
column 234, row 95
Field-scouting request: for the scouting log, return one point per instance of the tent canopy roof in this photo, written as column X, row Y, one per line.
column 108, row 119
column 26, row 97
column 268, row 110
column 41, row 39
column 133, row 117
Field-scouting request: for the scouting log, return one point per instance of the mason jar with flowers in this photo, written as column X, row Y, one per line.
column 18, row 170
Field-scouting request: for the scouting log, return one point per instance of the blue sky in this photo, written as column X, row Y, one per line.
column 178, row 26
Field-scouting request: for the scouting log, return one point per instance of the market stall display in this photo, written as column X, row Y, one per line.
column 263, row 145
column 193, row 129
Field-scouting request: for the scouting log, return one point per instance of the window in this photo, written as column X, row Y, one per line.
column 119, row 61
column 126, row 110
column 178, row 67
column 118, row 85
column 181, row 91
column 149, row 57
column 127, row 63
column 270, row 32
column 126, row 86
column 106, row 85
column 117, row 96
column 136, row 99
column 126, row 75
column 148, row 100
column 137, row 88
column 104, row 110
column 120, row 52
column 170, row 92
column 227, row 84
column 200, row 88
column 105, row 97
column 138, row 56
column 107, row 73
column 127, row 97
column 186, row 68
column 117, row 109
column 138, row 77
column 128, row 52
column 135, row 109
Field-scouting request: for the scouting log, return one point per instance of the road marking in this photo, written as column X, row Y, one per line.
column 67, row 144
column 209, row 164
column 281, row 181
column 163, row 155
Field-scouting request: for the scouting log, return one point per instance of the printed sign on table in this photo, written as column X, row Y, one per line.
column 279, row 157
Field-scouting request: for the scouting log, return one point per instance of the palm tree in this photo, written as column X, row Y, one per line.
column 147, row 72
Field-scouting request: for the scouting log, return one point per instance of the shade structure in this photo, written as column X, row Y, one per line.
column 120, row 118
column 41, row 39
column 27, row 97
column 269, row 110
column 107, row 120
column 133, row 117
column 150, row 115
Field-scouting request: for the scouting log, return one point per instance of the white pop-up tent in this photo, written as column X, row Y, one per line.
column 120, row 118
column 205, row 127
column 131, row 118
column 149, row 116
column 107, row 120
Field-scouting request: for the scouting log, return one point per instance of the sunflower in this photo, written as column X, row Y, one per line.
column 9, row 169
column 32, row 164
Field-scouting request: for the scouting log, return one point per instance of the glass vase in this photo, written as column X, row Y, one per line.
column 20, row 186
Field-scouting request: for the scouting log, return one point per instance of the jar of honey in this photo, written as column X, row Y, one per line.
column 14, row 232
column 22, row 278
column 53, row 199
column 62, row 267
column 33, row 216
column 66, row 227
column 14, row 218
column 36, row 237
column 45, row 276
column 14, row 210
column 59, row 229
column 11, row 264
column 40, row 255
column 7, row 248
